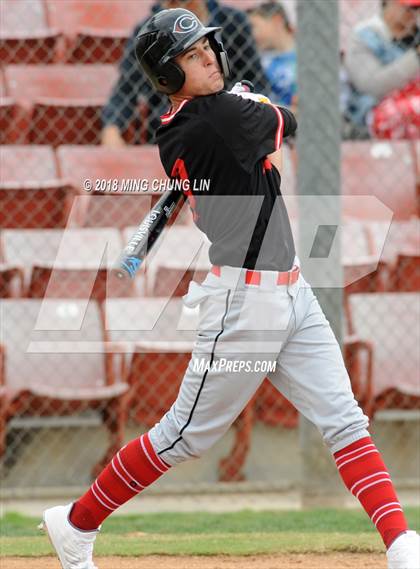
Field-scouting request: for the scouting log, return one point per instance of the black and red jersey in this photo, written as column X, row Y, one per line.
column 220, row 143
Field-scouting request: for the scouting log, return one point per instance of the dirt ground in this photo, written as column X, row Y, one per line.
column 333, row 561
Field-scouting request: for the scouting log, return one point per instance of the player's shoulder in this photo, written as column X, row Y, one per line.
column 214, row 114
column 217, row 113
column 208, row 102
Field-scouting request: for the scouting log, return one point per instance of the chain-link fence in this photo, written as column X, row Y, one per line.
column 85, row 362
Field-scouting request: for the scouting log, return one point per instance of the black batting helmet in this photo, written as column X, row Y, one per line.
column 166, row 35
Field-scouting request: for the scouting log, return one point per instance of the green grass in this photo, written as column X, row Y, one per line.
column 240, row 533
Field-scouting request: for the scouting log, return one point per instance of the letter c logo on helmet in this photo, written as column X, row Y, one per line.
column 185, row 24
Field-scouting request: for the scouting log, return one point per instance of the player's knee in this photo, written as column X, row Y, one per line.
column 196, row 446
column 350, row 427
column 175, row 445
column 183, row 450
column 189, row 447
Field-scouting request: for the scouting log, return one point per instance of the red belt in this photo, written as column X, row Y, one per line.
column 254, row 277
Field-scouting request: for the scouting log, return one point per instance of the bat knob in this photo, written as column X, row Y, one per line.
column 248, row 84
column 119, row 274
column 126, row 267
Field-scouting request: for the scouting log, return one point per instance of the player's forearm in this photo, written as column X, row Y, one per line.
column 289, row 120
column 290, row 123
column 111, row 136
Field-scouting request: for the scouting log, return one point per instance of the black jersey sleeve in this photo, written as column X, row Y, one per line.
column 251, row 130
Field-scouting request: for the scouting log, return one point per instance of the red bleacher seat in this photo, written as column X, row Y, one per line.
column 364, row 270
column 31, row 193
column 395, row 241
column 383, row 169
column 106, row 207
column 25, row 35
column 66, row 264
column 35, row 205
column 50, row 368
column 11, row 281
column 96, row 33
column 395, row 237
column 7, row 112
column 95, row 46
column 27, row 163
column 407, row 272
column 61, row 103
column 389, row 323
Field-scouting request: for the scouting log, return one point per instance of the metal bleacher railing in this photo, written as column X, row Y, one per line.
column 79, row 360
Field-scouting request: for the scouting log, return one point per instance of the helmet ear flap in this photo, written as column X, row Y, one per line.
column 170, row 78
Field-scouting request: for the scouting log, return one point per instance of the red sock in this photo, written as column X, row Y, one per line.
column 366, row 476
column 132, row 469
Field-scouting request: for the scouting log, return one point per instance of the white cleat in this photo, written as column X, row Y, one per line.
column 404, row 553
column 74, row 547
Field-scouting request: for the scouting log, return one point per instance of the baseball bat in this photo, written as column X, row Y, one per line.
column 146, row 235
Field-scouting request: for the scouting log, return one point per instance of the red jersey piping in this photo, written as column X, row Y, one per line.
column 166, row 118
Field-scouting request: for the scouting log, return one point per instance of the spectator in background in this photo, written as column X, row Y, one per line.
column 382, row 63
column 276, row 41
column 133, row 84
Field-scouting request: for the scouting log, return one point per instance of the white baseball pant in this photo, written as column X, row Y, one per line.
column 257, row 323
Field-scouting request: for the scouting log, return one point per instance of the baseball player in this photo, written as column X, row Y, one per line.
column 254, row 304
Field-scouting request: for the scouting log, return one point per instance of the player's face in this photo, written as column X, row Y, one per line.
column 202, row 70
